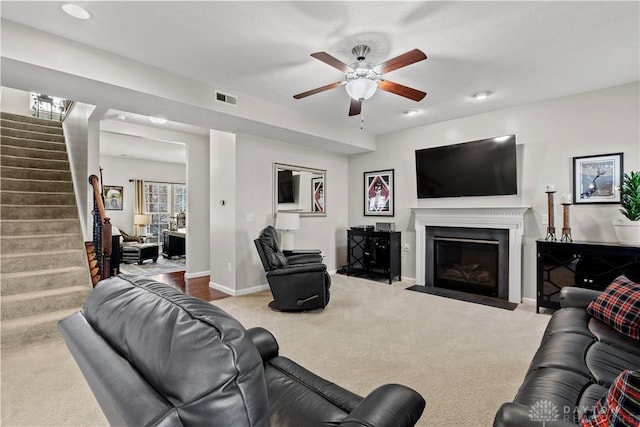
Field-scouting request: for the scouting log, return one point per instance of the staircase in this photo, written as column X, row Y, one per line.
column 44, row 274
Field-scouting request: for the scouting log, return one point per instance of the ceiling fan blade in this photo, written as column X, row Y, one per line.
column 356, row 107
column 330, row 60
column 318, row 90
column 398, row 89
column 403, row 60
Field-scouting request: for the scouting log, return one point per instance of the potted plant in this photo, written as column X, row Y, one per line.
column 628, row 229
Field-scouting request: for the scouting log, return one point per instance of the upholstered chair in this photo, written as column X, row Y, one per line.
column 298, row 279
column 154, row 356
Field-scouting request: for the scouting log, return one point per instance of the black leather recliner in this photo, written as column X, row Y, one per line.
column 298, row 279
column 154, row 356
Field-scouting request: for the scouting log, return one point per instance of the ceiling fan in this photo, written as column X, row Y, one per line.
column 362, row 78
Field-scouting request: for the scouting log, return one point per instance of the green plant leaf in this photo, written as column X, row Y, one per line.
column 630, row 196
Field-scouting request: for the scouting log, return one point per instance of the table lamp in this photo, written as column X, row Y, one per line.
column 286, row 222
column 141, row 220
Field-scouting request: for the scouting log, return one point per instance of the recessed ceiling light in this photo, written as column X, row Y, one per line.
column 410, row 113
column 76, row 11
column 158, row 120
column 121, row 117
column 481, row 95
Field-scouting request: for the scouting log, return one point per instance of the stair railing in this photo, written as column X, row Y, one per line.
column 101, row 269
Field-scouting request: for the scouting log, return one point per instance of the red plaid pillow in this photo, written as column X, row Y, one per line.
column 620, row 406
column 619, row 307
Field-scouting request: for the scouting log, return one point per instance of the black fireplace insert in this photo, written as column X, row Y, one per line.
column 472, row 260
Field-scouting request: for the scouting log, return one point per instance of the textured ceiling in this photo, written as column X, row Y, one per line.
column 521, row 51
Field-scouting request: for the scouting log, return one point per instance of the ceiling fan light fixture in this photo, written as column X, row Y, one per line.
column 361, row 89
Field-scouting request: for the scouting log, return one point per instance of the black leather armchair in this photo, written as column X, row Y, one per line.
column 298, row 279
column 154, row 356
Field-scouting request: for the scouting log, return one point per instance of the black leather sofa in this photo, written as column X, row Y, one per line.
column 154, row 356
column 577, row 361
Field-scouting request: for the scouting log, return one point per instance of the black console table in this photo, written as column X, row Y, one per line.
column 591, row 265
column 173, row 243
column 374, row 254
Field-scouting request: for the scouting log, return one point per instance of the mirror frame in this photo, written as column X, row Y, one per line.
column 277, row 166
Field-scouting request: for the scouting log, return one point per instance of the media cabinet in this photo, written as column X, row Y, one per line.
column 584, row 264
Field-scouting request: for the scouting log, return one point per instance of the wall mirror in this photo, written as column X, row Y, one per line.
column 298, row 189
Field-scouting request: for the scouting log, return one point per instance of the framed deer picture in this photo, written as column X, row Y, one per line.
column 596, row 179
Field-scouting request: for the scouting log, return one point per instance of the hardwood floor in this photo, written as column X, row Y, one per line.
column 197, row 287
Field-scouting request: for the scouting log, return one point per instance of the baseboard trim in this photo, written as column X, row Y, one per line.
column 236, row 293
column 196, row 274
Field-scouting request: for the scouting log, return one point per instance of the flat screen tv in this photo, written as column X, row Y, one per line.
column 285, row 186
column 478, row 168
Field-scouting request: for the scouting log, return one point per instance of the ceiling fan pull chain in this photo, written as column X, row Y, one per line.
column 362, row 122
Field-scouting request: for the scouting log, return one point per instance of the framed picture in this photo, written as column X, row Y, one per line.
column 597, row 179
column 378, row 193
column 317, row 194
column 112, row 197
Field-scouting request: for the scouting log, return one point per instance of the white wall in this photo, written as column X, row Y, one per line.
column 254, row 182
column 15, row 101
column 77, row 134
column 197, row 209
column 242, row 176
column 222, row 203
column 549, row 134
column 119, row 170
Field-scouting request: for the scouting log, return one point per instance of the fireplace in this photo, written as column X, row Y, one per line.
column 471, row 260
column 508, row 220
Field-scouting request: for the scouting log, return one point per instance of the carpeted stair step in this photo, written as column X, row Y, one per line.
column 39, row 174
column 29, row 162
column 24, row 244
column 36, row 198
column 32, row 329
column 40, row 302
column 29, row 119
column 19, row 133
column 35, row 153
column 10, row 141
column 39, row 212
column 41, row 280
column 41, row 260
column 40, row 186
column 33, row 127
column 20, row 227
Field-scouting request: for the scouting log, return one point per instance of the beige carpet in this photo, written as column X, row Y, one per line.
column 465, row 359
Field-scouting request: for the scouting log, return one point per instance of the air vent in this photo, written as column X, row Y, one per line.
column 227, row 99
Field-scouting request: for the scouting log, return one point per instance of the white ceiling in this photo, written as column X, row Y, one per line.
column 521, row 51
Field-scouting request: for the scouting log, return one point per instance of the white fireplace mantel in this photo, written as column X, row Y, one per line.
column 510, row 218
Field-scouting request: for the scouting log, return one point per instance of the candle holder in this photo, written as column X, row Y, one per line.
column 566, row 228
column 551, row 229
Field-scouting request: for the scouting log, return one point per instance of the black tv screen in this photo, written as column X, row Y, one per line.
column 478, row 168
column 285, row 186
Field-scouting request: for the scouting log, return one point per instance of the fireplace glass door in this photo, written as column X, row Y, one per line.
column 467, row 265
